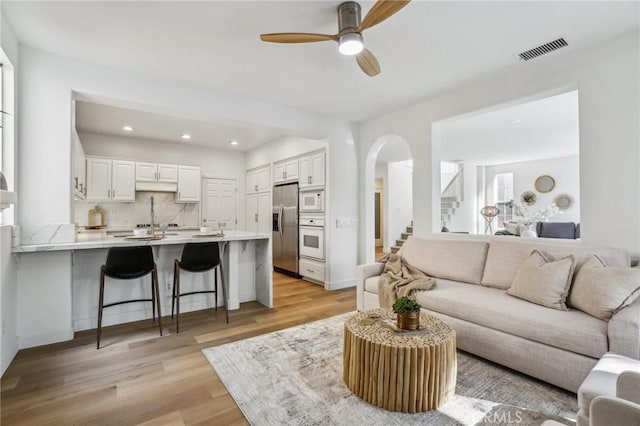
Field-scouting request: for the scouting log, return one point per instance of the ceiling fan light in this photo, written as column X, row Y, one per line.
column 351, row 44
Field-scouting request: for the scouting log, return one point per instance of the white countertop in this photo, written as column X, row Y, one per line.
column 110, row 241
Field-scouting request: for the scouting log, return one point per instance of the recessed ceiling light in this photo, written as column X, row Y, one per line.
column 127, row 129
column 233, row 143
column 186, row 136
column 515, row 121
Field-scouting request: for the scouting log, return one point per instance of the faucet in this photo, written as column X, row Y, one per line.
column 153, row 227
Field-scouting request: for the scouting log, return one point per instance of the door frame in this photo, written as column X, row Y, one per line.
column 379, row 189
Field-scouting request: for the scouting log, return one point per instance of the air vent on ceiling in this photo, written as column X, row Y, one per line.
column 542, row 49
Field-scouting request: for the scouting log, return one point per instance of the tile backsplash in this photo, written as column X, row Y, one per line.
column 127, row 215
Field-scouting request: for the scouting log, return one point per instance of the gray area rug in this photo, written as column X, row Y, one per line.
column 294, row 377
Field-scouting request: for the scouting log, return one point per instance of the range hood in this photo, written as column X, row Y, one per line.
column 156, row 187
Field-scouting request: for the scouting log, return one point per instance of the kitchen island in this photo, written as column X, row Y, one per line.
column 58, row 282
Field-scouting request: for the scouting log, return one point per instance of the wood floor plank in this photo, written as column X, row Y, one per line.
column 140, row 378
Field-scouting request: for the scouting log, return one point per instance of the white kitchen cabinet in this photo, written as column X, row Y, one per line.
column 167, row 173
column 188, row 184
column 311, row 171
column 152, row 172
column 79, row 174
column 123, row 183
column 110, row 180
column 285, row 171
column 259, row 180
column 259, row 213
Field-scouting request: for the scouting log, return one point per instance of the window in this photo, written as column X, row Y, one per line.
column 502, row 197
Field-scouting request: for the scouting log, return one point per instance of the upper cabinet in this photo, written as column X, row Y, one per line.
column 110, row 180
column 152, row 172
column 79, row 172
column 311, row 171
column 259, row 180
column 285, row 171
column 188, row 184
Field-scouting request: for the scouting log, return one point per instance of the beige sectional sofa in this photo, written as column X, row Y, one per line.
column 556, row 346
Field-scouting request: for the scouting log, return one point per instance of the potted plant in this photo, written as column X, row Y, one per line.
column 408, row 313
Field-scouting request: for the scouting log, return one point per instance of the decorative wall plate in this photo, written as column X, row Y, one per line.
column 563, row 201
column 528, row 198
column 545, row 183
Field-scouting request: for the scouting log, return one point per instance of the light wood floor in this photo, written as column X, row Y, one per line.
column 138, row 377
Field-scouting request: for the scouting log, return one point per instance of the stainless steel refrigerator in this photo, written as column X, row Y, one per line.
column 285, row 228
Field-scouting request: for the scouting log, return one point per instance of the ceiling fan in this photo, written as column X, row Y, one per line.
column 350, row 28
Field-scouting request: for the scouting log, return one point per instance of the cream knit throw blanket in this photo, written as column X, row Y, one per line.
column 400, row 279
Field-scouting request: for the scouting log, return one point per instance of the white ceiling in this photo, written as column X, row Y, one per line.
column 424, row 49
column 546, row 128
column 109, row 120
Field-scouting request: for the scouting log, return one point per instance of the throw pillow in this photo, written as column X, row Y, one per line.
column 602, row 291
column 544, row 281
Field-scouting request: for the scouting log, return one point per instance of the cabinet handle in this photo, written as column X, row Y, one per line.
column 113, row 193
column 85, row 190
column 81, row 190
column 256, row 188
column 256, row 217
column 310, row 270
column 76, row 179
column 108, row 193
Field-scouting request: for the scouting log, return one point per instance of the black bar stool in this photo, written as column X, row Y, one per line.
column 127, row 263
column 197, row 257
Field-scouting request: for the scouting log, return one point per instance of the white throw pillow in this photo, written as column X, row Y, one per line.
column 543, row 280
column 602, row 291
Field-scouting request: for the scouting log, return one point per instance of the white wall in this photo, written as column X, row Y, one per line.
column 280, row 149
column 466, row 216
column 606, row 76
column 8, row 269
column 565, row 171
column 399, row 200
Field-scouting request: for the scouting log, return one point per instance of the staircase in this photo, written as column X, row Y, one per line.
column 403, row 238
column 452, row 196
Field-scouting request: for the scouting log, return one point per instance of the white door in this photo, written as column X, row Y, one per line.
column 263, row 179
column 188, row 184
column 123, row 180
column 304, row 172
column 167, row 173
column 265, row 213
column 279, row 170
column 98, row 179
column 146, row 172
column 317, row 170
column 219, row 200
column 252, row 213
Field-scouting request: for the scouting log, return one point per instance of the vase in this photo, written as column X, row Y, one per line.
column 529, row 231
column 409, row 321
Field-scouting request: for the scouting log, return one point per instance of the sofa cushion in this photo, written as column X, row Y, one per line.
column 450, row 259
column 543, row 280
column 571, row 330
column 601, row 291
column 371, row 284
column 505, row 257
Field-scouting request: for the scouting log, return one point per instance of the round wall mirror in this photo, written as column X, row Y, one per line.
column 545, row 183
column 528, row 198
column 563, row 201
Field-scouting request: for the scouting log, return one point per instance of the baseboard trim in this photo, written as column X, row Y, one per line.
column 339, row 285
column 29, row 341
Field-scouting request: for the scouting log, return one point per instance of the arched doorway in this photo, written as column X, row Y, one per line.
column 389, row 197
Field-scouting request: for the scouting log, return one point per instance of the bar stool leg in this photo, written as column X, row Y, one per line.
column 153, row 301
column 224, row 293
column 100, row 306
column 215, row 286
column 173, row 293
column 154, row 279
column 178, row 300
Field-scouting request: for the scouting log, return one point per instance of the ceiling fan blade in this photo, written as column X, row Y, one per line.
column 381, row 11
column 368, row 63
column 297, row 37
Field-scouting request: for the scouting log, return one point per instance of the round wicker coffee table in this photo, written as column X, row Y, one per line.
column 407, row 372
